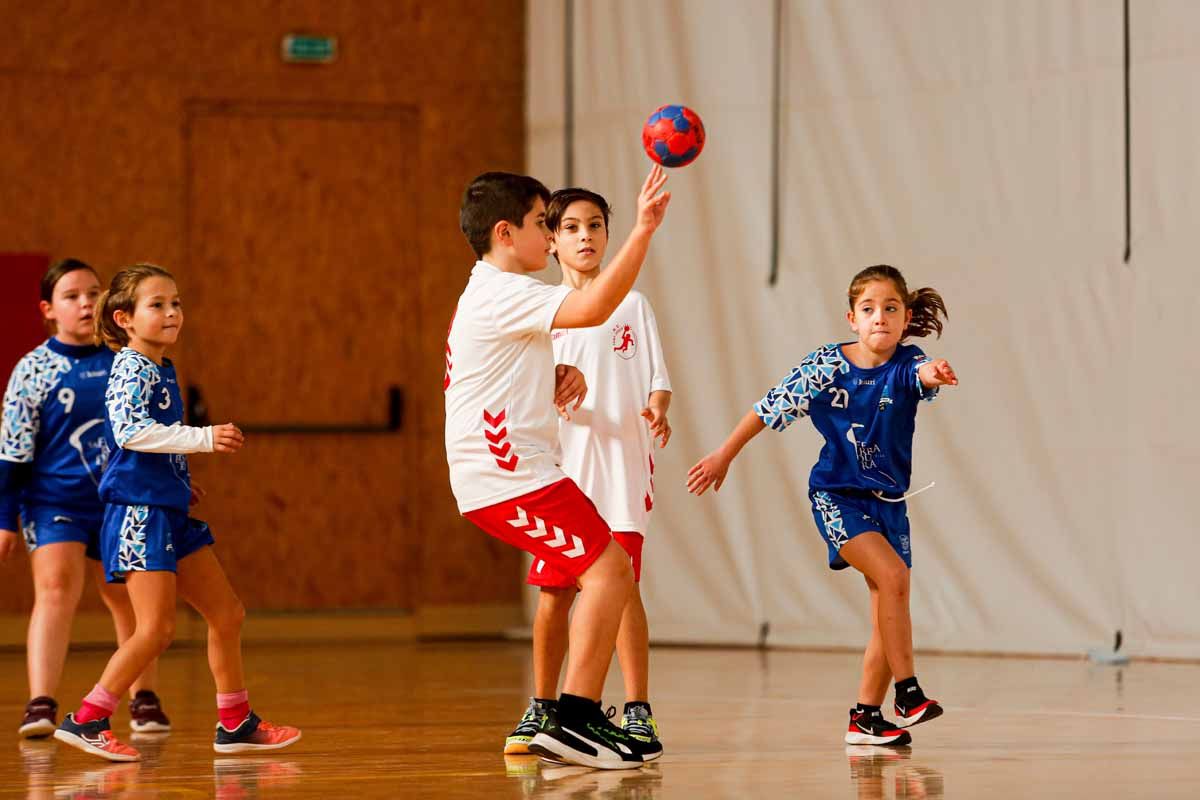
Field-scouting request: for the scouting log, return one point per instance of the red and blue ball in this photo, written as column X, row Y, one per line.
column 673, row 136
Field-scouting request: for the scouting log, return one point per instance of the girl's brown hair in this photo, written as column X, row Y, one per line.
column 56, row 272
column 927, row 306
column 122, row 296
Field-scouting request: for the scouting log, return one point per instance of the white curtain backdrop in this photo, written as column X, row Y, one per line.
column 979, row 147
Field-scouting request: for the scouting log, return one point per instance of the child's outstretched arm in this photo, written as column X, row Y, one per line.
column 710, row 470
column 937, row 373
column 586, row 308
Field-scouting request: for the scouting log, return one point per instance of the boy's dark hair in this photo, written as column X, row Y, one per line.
column 927, row 306
column 494, row 197
column 562, row 199
column 57, row 270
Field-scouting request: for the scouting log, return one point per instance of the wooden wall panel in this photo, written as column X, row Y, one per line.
column 97, row 100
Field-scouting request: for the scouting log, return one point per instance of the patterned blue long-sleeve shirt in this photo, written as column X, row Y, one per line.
column 867, row 416
column 141, row 393
column 52, row 437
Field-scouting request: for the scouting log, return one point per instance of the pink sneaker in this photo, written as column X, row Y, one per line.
column 254, row 734
column 95, row 737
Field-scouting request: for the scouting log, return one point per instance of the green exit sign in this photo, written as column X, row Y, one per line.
column 303, row 49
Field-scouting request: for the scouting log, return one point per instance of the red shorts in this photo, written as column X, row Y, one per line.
column 543, row 574
column 558, row 525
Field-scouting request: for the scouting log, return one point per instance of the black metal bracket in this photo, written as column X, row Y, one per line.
column 197, row 414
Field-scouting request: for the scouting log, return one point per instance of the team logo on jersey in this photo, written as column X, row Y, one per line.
column 623, row 341
column 885, row 400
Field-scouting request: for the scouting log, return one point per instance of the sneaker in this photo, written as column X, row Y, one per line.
column 41, row 718
column 869, row 727
column 518, row 741
column 589, row 742
column 254, row 734
column 95, row 737
column 916, row 707
column 146, row 714
column 639, row 723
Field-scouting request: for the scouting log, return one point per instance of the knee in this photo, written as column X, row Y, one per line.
column 58, row 588
column 229, row 621
column 894, row 582
column 158, row 633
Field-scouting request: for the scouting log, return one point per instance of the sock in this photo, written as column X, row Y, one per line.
column 863, row 708
column 99, row 704
column 644, row 704
column 572, row 706
column 233, row 708
column 909, row 692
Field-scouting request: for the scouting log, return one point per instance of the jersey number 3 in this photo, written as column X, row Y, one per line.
column 841, row 398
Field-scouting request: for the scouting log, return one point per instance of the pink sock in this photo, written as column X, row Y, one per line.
column 233, row 708
column 98, row 704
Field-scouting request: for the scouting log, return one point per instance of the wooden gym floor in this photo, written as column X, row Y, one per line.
column 428, row 720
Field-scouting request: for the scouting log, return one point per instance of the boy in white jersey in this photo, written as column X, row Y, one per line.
column 502, row 433
column 608, row 451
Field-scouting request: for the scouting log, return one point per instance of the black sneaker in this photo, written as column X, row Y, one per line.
column 41, row 718
column 869, row 727
column 146, row 714
column 915, row 707
column 639, row 723
column 518, row 741
column 590, row 741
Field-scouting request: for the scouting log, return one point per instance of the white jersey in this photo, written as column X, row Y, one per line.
column 606, row 445
column 501, row 424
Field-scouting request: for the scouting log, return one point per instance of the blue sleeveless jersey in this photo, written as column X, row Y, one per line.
column 141, row 393
column 52, row 448
column 867, row 416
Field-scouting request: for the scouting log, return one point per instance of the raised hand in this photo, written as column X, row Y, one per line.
column 937, row 373
column 227, row 438
column 651, row 202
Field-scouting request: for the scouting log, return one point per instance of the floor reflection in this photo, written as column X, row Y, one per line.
column 873, row 770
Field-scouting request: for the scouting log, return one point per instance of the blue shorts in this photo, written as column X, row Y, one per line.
column 840, row 516
column 148, row 539
column 43, row 525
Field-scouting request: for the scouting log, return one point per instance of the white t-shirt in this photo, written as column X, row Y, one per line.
column 606, row 445
column 501, row 424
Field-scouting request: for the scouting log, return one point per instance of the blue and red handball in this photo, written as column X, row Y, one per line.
column 673, row 136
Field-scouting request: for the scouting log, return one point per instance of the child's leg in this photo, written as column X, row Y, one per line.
column 875, row 676
column 58, row 572
column 550, row 631
column 606, row 586
column 633, row 649
column 870, row 554
column 203, row 584
column 152, row 595
column 116, row 598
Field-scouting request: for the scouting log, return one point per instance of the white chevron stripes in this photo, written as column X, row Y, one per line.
column 538, row 531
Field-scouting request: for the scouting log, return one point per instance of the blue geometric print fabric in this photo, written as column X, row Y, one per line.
column 130, row 386
column 789, row 401
column 34, row 378
column 131, row 554
column 831, row 516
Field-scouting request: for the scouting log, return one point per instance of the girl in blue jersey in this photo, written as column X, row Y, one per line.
column 148, row 540
column 862, row 396
column 51, row 455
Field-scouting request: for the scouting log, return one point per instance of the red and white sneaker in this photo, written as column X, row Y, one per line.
column 254, row 735
column 96, row 738
column 869, row 727
column 916, row 709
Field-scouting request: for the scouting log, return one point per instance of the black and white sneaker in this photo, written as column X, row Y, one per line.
column 869, row 727
column 915, row 708
column 590, row 741
column 41, row 718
